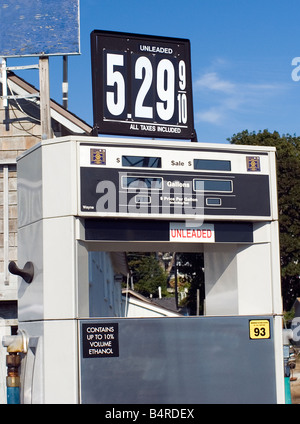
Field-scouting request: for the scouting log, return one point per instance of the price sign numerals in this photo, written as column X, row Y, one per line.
column 154, row 89
column 140, row 83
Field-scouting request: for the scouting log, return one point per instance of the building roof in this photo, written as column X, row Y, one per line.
column 119, row 261
column 18, row 87
column 167, row 304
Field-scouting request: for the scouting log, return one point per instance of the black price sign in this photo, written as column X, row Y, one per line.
column 142, row 85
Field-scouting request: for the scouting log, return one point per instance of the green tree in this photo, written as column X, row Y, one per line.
column 148, row 275
column 191, row 265
column 288, row 183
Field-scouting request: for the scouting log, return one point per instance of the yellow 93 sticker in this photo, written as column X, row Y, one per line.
column 259, row 329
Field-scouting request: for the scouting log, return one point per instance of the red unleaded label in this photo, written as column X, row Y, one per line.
column 183, row 231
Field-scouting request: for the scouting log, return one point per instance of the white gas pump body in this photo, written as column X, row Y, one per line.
column 84, row 194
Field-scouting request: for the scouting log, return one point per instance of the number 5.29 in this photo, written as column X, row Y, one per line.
column 143, row 70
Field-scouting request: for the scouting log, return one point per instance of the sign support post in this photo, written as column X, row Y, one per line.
column 45, row 97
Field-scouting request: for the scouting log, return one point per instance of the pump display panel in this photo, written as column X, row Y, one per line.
column 173, row 183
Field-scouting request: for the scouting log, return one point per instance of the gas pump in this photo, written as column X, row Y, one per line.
column 83, row 202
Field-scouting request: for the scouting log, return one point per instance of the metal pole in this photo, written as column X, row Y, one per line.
column 4, row 83
column 65, row 85
column 45, row 97
column 176, row 282
column 5, row 223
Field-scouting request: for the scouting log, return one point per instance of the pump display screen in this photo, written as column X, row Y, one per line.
column 142, row 183
column 141, row 161
column 224, row 186
column 142, row 85
column 212, row 165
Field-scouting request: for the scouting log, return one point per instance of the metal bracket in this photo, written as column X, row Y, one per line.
column 4, row 70
column 26, row 273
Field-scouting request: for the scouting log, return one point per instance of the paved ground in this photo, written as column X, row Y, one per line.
column 295, row 383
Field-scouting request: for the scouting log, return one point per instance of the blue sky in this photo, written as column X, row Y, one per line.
column 241, row 53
